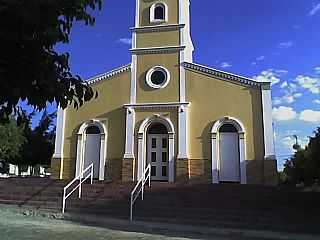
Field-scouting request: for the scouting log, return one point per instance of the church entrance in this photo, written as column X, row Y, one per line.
column 92, row 149
column 229, row 154
column 158, row 152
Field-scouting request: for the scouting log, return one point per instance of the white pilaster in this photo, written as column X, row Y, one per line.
column 141, row 154
column 242, row 152
column 130, row 120
column 58, row 149
column 183, row 131
column 171, row 158
column 79, row 154
column 214, row 157
column 268, row 122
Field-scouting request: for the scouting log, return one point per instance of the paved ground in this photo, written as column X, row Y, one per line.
column 19, row 224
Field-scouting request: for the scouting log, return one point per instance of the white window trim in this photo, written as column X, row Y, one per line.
column 151, row 71
column 215, row 157
column 81, row 147
column 152, row 11
column 142, row 138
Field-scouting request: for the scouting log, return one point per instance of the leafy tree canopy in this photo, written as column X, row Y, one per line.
column 30, row 67
column 11, row 140
column 304, row 166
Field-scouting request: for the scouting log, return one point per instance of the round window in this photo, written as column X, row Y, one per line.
column 158, row 77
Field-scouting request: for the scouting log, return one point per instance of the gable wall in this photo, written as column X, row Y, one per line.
column 212, row 99
column 108, row 107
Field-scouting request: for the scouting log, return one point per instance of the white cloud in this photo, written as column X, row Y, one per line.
column 270, row 75
column 310, row 116
column 316, row 101
column 261, row 58
column 289, row 141
column 315, row 10
column 284, row 113
column 254, row 63
column 317, row 70
column 226, row 65
column 287, row 44
column 310, row 83
column 127, row 41
column 284, row 84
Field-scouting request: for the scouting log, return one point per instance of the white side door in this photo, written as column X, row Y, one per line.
column 157, row 155
column 92, row 153
column 229, row 157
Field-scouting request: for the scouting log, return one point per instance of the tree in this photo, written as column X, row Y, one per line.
column 304, row 166
column 30, row 67
column 39, row 145
column 11, row 140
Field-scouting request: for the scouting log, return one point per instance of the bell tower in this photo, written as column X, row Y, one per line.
column 162, row 28
column 161, row 42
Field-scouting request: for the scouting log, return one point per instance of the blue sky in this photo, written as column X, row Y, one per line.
column 277, row 40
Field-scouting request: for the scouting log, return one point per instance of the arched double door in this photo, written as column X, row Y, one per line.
column 158, row 151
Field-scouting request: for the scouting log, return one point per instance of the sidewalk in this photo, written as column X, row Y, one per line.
column 24, row 224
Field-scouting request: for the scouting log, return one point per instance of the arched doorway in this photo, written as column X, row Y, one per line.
column 228, row 153
column 158, row 151
column 161, row 129
column 229, row 159
column 91, row 148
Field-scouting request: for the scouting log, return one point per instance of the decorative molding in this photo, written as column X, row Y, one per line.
column 157, row 50
column 165, row 8
column 225, row 76
column 164, row 71
column 110, row 74
column 157, row 105
column 157, row 28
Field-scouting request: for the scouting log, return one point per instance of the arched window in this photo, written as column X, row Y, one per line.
column 159, row 12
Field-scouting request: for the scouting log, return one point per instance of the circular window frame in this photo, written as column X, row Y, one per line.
column 161, row 69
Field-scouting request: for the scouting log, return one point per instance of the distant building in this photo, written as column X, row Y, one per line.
column 192, row 123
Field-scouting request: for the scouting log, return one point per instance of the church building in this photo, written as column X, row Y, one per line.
column 190, row 122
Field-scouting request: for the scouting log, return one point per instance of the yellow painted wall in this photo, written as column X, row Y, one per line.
column 158, row 39
column 108, row 107
column 212, row 99
column 146, row 94
column 145, row 5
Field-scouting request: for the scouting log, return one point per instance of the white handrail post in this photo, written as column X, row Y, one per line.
column 64, row 201
column 91, row 173
column 142, row 189
column 149, row 175
column 80, row 181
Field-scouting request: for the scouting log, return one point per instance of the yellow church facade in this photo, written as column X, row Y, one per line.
column 191, row 123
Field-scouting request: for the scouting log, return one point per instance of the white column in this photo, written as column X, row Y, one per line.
column 268, row 122
column 129, row 144
column 182, row 139
column 171, row 158
column 58, row 149
column 243, row 167
column 214, row 158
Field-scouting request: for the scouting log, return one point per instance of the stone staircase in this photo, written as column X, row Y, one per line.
column 230, row 206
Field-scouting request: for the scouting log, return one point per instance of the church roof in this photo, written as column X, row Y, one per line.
column 225, row 76
column 109, row 74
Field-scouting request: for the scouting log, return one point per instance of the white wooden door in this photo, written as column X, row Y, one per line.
column 157, row 152
column 229, row 157
column 92, row 153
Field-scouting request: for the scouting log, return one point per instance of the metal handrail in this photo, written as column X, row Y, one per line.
column 139, row 188
column 79, row 185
